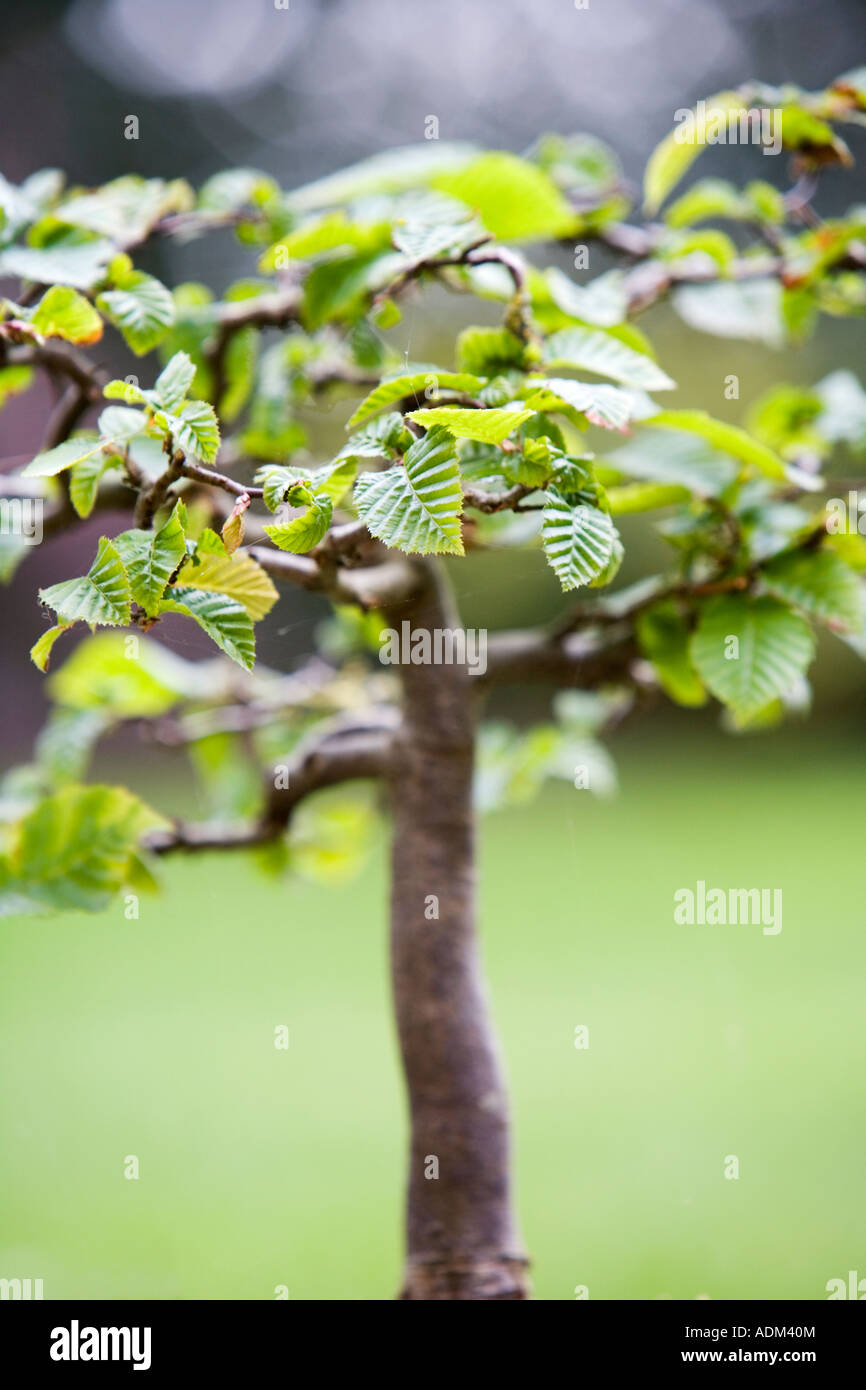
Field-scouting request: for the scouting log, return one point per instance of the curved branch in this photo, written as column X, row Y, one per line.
column 346, row 753
column 584, row 660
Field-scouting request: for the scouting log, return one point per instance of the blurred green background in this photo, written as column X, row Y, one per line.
column 261, row 1167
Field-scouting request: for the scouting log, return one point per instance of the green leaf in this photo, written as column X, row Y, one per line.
column 671, row 456
column 818, row 582
column 238, row 576
column 118, row 424
column 230, row 781
column 388, row 172
column 101, row 596
column 337, row 289
column 513, row 198
column 125, row 209
column 416, row 507
column 579, row 541
column 125, row 680
column 226, row 622
column 486, row 352
column 322, row 235
column 40, row 652
column 125, row 391
column 608, row 406
column 64, row 313
column 671, row 158
column 194, row 429
column 663, row 637
column 644, row 497
column 150, row 559
column 305, row 531
column 748, row 309
column 603, row 301
column 61, row 457
column 433, row 380
column 84, row 479
column 142, row 308
column 73, row 851
column 706, row 198
column 173, row 384
column 591, row 351
column 486, row 426
column 428, row 241
column 773, row 648
column 13, row 381
column 380, row 438
column 82, row 266
column 734, row 441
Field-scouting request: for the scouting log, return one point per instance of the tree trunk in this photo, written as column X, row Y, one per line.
column 462, row 1236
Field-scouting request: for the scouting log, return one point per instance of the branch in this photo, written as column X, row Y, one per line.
column 348, row 752
column 584, row 660
column 266, row 311
column 372, row 586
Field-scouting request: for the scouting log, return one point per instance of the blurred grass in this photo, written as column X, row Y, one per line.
column 262, row 1167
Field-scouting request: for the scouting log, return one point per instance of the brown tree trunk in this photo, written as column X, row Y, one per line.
column 462, row 1236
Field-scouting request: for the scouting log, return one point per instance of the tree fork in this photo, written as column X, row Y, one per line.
column 463, row 1241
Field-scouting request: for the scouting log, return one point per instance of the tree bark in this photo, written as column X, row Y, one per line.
column 462, row 1236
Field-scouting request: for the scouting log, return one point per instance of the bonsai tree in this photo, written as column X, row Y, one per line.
column 227, row 503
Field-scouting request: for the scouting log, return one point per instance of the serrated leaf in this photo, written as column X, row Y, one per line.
column 64, row 313
column 150, row 559
column 238, row 576
column 416, row 507
column 579, row 541
column 773, row 648
column 101, row 596
column 226, row 622
column 305, row 531
column 174, row 381
column 378, row 438
column 588, row 350
column 433, row 379
column 142, row 309
column 820, row 583
column 194, row 429
column 485, row 426
column 608, row 406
